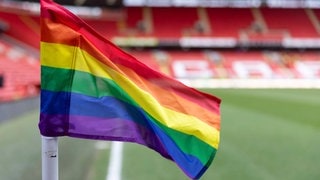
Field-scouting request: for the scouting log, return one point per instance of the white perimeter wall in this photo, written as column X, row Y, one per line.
column 252, row 83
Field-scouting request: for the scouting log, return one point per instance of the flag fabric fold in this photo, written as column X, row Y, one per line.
column 92, row 89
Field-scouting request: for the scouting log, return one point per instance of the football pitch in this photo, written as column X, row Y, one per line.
column 266, row 134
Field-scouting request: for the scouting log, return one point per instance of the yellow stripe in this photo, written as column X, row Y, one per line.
column 70, row 57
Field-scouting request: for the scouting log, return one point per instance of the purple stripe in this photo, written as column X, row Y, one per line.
column 101, row 129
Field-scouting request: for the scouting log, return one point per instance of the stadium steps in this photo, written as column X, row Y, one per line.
column 147, row 19
column 259, row 19
column 217, row 61
column 162, row 58
column 257, row 30
column 204, row 20
column 313, row 19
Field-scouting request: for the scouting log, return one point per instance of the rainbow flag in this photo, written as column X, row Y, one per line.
column 92, row 89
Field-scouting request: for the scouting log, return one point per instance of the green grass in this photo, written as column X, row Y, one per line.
column 265, row 134
column 20, row 149
column 268, row 134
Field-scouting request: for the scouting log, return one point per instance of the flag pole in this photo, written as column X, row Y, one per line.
column 49, row 158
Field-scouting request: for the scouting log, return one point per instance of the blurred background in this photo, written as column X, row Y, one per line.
column 260, row 56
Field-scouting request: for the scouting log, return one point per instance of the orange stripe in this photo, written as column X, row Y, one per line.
column 171, row 100
column 58, row 33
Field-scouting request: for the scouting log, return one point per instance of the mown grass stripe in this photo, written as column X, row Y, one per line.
column 296, row 109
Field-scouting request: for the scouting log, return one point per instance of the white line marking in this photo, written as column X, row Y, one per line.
column 115, row 164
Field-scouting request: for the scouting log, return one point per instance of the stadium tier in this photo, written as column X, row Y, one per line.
column 189, row 26
column 235, row 65
column 183, row 42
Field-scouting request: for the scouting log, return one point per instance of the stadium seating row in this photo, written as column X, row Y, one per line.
column 20, row 69
column 172, row 24
column 195, row 64
column 235, row 65
column 20, row 73
column 260, row 24
column 178, row 64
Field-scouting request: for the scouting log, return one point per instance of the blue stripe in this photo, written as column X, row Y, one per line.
column 109, row 107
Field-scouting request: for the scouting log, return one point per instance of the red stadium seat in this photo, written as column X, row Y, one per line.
column 282, row 19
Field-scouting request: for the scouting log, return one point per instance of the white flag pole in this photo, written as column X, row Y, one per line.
column 49, row 156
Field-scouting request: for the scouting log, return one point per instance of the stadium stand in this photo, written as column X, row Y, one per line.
column 241, row 24
column 183, row 42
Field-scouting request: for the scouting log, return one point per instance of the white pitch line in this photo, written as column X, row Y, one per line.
column 115, row 164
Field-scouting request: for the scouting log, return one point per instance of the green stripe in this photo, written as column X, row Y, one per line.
column 55, row 79
column 78, row 82
column 192, row 145
column 85, row 83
